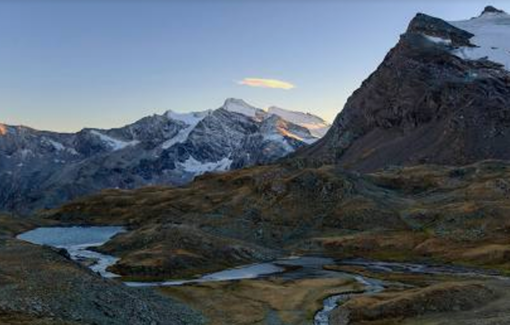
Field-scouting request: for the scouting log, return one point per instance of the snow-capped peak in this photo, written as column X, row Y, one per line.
column 492, row 32
column 317, row 126
column 191, row 118
column 242, row 107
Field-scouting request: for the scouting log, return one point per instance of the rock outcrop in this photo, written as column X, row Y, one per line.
column 441, row 96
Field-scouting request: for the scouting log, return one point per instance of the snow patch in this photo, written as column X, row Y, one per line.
column 59, row 146
column 190, row 119
column 56, row 145
column 113, row 143
column 196, row 167
column 492, row 38
column 438, row 40
column 275, row 137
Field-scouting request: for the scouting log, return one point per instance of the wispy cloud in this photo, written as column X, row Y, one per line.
column 266, row 83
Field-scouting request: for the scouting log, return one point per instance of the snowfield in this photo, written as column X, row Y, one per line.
column 492, row 38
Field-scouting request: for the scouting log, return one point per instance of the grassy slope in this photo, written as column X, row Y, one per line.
column 425, row 212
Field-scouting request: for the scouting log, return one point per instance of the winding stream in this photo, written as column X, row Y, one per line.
column 78, row 241
column 371, row 286
column 286, row 268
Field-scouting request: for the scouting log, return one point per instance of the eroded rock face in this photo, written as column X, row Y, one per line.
column 424, row 104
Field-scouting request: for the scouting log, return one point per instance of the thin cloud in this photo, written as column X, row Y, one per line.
column 266, row 83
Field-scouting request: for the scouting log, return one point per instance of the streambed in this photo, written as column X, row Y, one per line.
column 78, row 241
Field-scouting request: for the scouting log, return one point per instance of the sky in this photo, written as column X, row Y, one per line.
column 69, row 64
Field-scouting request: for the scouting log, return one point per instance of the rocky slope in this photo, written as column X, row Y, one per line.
column 442, row 95
column 41, row 286
column 40, row 169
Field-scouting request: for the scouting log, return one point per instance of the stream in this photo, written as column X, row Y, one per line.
column 371, row 286
column 78, row 241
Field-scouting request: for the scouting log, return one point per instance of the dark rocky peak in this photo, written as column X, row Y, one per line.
column 423, row 104
column 435, row 27
column 492, row 10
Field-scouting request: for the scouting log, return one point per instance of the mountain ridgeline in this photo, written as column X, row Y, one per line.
column 40, row 169
column 441, row 96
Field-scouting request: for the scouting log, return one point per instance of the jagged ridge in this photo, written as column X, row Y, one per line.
column 42, row 169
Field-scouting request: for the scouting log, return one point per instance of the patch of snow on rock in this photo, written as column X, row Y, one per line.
column 190, row 119
column 438, row 40
column 492, row 38
column 196, row 167
column 275, row 137
column 115, row 144
column 56, row 145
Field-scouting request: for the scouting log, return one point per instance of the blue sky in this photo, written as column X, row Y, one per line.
column 67, row 64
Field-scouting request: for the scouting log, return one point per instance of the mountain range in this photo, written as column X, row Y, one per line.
column 40, row 169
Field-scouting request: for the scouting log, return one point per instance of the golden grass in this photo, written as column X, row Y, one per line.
column 250, row 302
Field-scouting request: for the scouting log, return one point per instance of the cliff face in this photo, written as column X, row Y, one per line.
column 436, row 98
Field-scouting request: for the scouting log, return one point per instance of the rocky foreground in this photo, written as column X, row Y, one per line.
column 42, row 286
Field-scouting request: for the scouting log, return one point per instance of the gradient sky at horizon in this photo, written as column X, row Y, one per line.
column 69, row 64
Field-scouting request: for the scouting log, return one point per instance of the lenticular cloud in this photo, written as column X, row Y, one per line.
column 266, row 83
